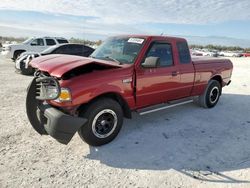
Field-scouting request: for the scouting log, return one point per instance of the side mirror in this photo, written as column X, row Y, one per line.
column 151, row 62
column 33, row 44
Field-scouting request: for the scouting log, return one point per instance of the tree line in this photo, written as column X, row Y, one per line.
column 91, row 43
column 86, row 42
column 220, row 48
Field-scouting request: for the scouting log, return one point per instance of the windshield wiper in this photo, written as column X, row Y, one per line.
column 113, row 59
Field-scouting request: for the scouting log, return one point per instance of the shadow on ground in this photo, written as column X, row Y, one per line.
column 201, row 143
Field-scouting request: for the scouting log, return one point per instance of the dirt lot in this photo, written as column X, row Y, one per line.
column 185, row 146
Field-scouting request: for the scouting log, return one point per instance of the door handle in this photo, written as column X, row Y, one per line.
column 175, row 73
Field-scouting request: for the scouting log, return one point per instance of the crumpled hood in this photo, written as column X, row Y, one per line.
column 58, row 65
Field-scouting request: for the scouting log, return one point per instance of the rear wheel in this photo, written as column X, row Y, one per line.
column 211, row 95
column 105, row 118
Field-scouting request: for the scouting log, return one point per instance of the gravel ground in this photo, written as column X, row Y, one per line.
column 186, row 146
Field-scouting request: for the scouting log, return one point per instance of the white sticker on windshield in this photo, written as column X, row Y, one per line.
column 136, row 40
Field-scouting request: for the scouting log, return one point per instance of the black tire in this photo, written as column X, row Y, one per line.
column 99, row 131
column 17, row 54
column 211, row 95
column 26, row 71
column 31, row 108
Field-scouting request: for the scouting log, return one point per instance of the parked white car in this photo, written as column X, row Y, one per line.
column 231, row 54
column 211, row 53
column 35, row 44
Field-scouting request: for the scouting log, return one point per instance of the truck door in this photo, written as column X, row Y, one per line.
column 186, row 68
column 159, row 84
column 37, row 45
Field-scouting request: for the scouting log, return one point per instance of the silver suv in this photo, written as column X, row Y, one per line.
column 34, row 44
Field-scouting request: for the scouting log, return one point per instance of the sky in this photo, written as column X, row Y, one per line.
column 225, row 22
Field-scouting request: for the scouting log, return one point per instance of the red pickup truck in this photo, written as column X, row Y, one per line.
column 126, row 73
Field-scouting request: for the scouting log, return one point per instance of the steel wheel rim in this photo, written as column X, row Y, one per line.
column 214, row 95
column 104, row 123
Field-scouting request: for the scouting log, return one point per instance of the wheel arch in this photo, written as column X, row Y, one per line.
column 16, row 51
column 112, row 95
column 217, row 78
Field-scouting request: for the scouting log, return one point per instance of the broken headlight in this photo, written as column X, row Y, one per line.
column 47, row 88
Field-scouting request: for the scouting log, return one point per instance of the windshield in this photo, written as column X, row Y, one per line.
column 119, row 49
column 28, row 41
column 49, row 50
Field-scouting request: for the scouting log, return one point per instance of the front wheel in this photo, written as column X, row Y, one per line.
column 211, row 95
column 26, row 71
column 17, row 54
column 105, row 118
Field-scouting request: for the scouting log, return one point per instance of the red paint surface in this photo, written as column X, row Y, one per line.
column 150, row 86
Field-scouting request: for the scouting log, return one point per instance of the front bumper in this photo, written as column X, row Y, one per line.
column 60, row 126
column 47, row 120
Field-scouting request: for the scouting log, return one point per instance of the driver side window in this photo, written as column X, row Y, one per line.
column 163, row 51
column 37, row 42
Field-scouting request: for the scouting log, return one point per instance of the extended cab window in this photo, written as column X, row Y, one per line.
column 50, row 42
column 37, row 42
column 184, row 54
column 163, row 51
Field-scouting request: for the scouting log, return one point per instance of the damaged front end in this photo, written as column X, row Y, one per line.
column 46, row 119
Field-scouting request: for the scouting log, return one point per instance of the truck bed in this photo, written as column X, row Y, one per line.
column 202, row 60
column 206, row 67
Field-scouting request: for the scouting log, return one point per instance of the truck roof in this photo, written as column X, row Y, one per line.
column 155, row 36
